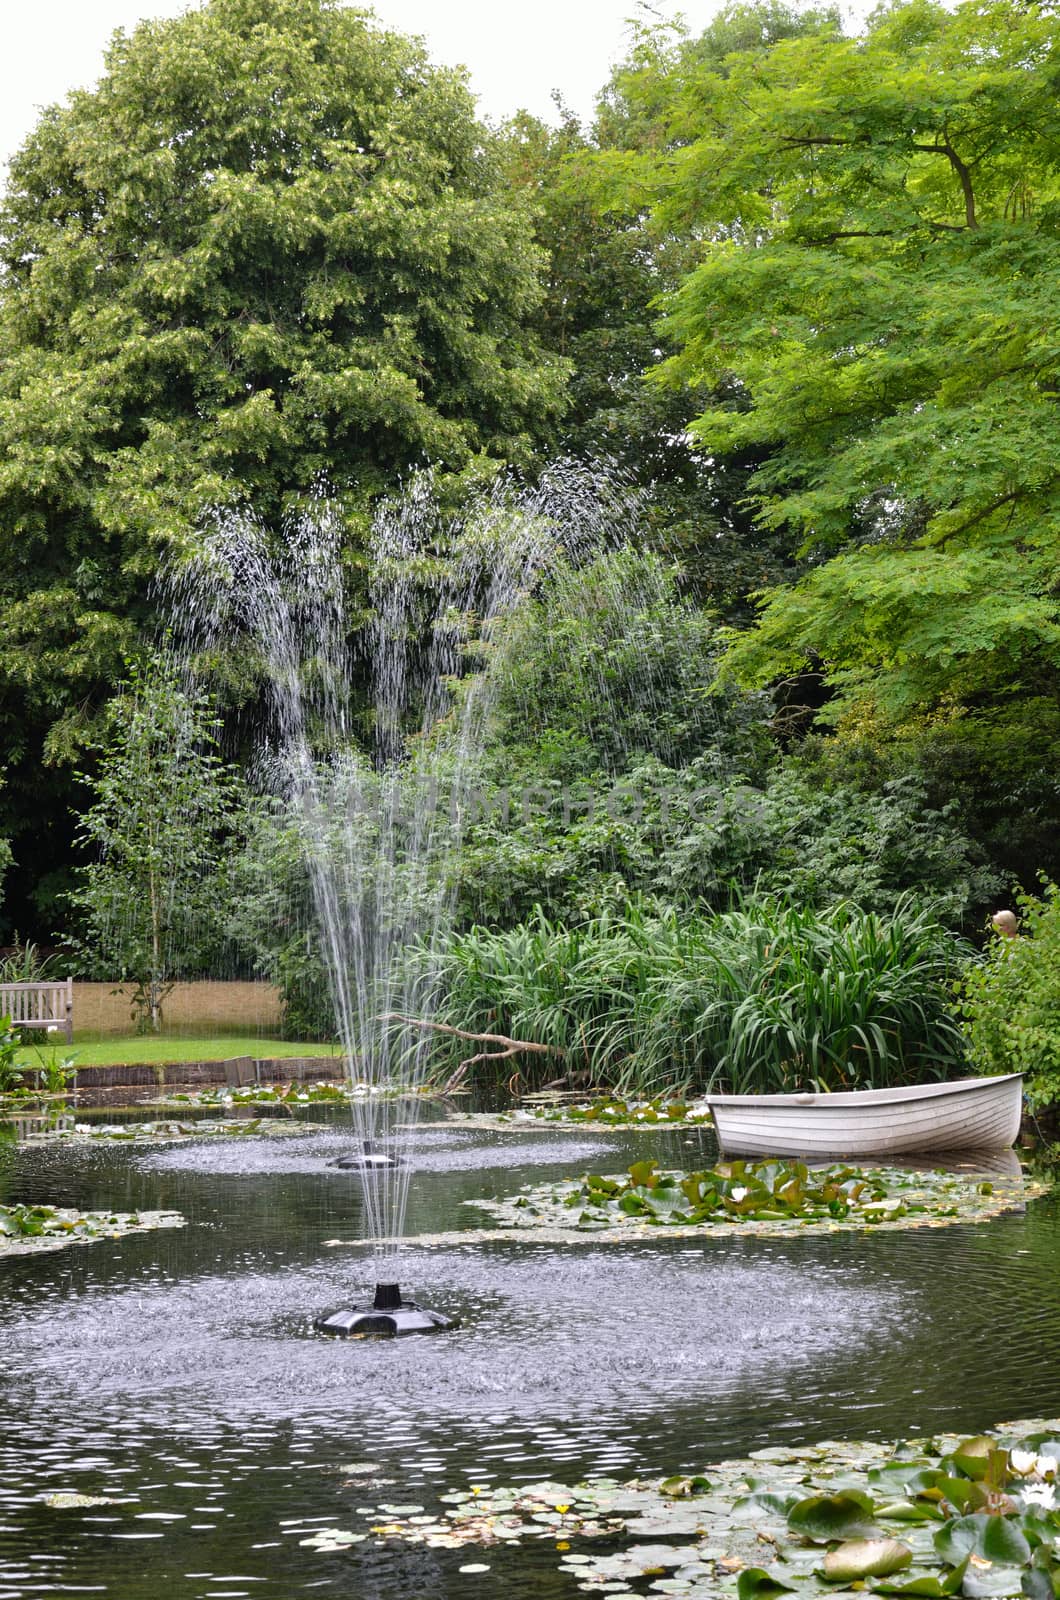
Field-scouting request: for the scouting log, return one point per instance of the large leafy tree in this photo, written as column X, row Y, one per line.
column 610, row 259
column 272, row 244
column 882, row 217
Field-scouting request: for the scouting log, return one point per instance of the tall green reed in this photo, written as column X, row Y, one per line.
column 767, row 997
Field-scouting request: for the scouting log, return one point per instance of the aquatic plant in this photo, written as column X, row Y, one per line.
column 771, row 1196
column 612, row 1111
column 973, row 1516
column 165, row 1132
column 283, row 1095
column 764, row 998
column 53, row 1226
column 766, row 1191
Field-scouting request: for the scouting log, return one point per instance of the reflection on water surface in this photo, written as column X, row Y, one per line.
column 176, row 1379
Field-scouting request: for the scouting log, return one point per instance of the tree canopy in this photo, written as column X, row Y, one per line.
column 879, row 272
column 271, row 244
column 797, row 287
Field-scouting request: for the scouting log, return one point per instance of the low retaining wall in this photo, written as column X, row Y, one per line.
column 239, row 1070
column 255, row 1007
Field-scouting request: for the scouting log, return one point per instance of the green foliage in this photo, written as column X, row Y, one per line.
column 160, row 825
column 272, row 244
column 607, row 267
column 619, row 764
column 705, row 835
column 991, row 776
column 1010, row 1001
column 756, row 1191
column 610, row 663
column 10, row 1044
column 818, row 844
column 766, row 998
column 24, row 963
column 881, row 224
column 270, row 917
column 6, row 858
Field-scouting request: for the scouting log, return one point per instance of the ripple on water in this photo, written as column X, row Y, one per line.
column 181, row 1383
column 425, row 1153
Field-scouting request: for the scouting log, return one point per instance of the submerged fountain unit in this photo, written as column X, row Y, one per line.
column 387, row 1315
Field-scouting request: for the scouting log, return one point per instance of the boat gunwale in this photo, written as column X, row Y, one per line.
column 844, row 1100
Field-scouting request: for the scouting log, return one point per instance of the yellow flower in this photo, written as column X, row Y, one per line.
column 564, row 1544
column 562, row 1509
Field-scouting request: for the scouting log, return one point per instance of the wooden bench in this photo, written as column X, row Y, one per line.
column 48, row 1005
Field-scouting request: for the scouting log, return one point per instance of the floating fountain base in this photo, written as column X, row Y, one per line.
column 368, row 1161
column 387, row 1316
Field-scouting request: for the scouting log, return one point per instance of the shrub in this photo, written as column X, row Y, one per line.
column 10, row 1042
column 1010, row 1002
column 706, row 835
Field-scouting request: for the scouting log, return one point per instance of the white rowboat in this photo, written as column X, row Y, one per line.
column 967, row 1114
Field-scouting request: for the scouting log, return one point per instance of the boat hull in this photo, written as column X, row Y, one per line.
column 969, row 1114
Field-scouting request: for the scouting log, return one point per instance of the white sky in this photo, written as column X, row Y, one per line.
column 516, row 53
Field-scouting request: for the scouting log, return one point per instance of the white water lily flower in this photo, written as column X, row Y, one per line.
column 1047, row 1466
column 1023, row 1461
column 740, row 1194
column 1039, row 1494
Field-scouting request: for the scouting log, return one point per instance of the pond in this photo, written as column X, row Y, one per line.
column 175, row 1378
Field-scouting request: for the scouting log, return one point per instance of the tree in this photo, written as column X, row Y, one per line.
column 607, row 265
column 160, row 827
column 272, row 244
column 881, row 278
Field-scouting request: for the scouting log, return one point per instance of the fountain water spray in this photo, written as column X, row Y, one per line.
column 376, row 736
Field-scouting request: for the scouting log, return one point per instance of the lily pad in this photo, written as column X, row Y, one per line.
column 991, row 1537
column 756, row 1583
column 927, row 1583
column 866, row 1558
column 972, row 1456
column 837, row 1516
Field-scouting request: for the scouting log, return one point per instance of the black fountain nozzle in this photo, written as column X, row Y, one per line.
column 368, row 1159
column 387, row 1315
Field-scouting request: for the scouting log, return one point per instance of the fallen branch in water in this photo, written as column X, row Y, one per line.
column 512, row 1047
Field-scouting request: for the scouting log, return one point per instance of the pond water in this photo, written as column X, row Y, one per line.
column 178, row 1374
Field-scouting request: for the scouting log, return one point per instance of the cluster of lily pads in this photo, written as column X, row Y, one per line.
column 740, row 1193
column 285, row 1094
column 53, row 1226
column 255, row 1094
column 976, row 1517
column 613, row 1112
column 164, row 1132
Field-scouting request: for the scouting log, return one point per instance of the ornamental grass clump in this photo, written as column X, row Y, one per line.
column 769, row 997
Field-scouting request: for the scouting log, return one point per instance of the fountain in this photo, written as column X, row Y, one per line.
column 375, row 734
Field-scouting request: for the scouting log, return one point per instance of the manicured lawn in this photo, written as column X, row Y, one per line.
column 129, row 1049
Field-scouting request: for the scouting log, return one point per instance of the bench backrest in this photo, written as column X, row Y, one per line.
column 40, row 1005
